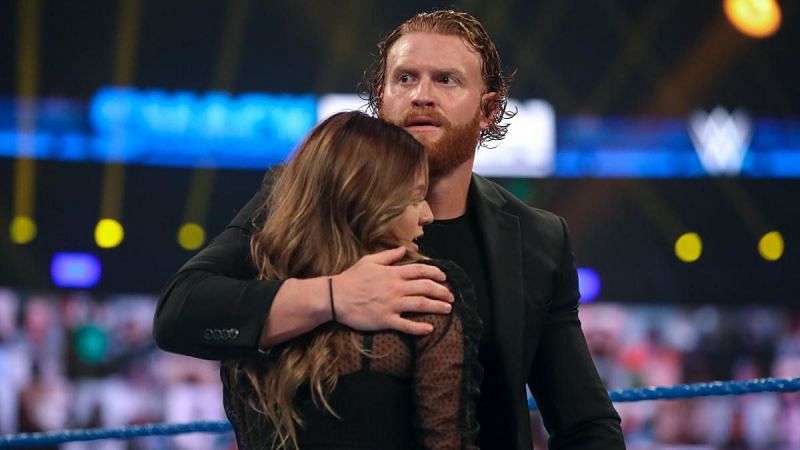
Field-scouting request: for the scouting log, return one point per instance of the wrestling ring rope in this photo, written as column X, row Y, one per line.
column 681, row 391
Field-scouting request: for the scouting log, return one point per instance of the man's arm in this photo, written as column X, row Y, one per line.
column 373, row 294
column 571, row 397
column 214, row 308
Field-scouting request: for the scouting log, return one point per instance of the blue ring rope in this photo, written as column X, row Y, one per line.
column 625, row 395
column 713, row 388
column 126, row 432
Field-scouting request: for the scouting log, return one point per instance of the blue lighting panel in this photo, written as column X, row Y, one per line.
column 588, row 284
column 257, row 130
column 185, row 129
column 663, row 148
column 75, row 270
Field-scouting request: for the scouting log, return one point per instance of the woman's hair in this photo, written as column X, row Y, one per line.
column 334, row 202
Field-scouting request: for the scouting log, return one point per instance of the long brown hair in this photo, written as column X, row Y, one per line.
column 334, row 202
column 452, row 23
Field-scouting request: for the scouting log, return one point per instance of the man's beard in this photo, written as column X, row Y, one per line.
column 456, row 145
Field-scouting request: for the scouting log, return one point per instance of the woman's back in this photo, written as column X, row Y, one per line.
column 413, row 392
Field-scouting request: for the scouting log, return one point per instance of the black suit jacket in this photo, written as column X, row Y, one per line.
column 214, row 308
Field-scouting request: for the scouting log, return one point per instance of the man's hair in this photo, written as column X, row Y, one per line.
column 451, row 23
column 336, row 200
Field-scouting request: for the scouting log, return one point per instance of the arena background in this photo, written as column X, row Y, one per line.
column 688, row 270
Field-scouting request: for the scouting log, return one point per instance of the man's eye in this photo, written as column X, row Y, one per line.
column 404, row 78
column 448, row 80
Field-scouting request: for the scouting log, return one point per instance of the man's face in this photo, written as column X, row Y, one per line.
column 434, row 89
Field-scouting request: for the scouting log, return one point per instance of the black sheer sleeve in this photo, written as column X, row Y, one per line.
column 447, row 373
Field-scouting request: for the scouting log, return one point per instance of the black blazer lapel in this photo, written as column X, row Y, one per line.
column 503, row 241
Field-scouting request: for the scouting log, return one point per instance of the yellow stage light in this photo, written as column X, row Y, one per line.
column 108, row 233
column 770, row 246
column 191, row 236
column 23, row 230
column 689, row 247
column 755, row 18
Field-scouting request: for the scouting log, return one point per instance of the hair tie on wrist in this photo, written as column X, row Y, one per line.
column 330, row 292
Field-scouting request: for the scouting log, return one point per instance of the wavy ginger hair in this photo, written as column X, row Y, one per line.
column 466, row 27
column 334, row 202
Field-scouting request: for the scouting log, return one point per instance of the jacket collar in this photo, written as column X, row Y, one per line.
column 503, row 244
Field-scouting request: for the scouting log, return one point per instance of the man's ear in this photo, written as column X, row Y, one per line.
column 379, row 99
column 489, row 109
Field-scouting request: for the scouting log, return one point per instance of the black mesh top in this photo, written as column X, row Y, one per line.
column 415, row 392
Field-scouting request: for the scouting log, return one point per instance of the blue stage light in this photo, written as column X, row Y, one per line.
column 588, row 284
column 75, row 270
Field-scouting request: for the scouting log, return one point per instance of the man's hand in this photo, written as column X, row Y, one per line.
column 373, row 293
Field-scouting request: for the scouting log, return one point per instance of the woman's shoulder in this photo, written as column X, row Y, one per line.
column 458, row 281
column 456, row 276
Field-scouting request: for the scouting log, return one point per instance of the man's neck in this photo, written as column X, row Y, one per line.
column 447, row 194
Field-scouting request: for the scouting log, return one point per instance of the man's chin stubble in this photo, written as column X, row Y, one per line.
column 455, row 147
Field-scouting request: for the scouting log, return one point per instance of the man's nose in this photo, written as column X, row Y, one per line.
column 423, row 95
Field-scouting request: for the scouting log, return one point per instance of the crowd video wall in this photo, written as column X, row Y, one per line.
column 79, row 360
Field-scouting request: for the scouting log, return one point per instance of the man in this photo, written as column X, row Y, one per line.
column 439, row 77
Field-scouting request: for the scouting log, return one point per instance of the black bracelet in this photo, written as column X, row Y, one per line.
column 330, row 292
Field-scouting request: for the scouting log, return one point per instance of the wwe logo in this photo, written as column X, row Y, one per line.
column 721, row 140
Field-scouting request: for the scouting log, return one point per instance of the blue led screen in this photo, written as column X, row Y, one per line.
column 257, row 130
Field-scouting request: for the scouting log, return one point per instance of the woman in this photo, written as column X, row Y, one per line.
column 356, row 186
